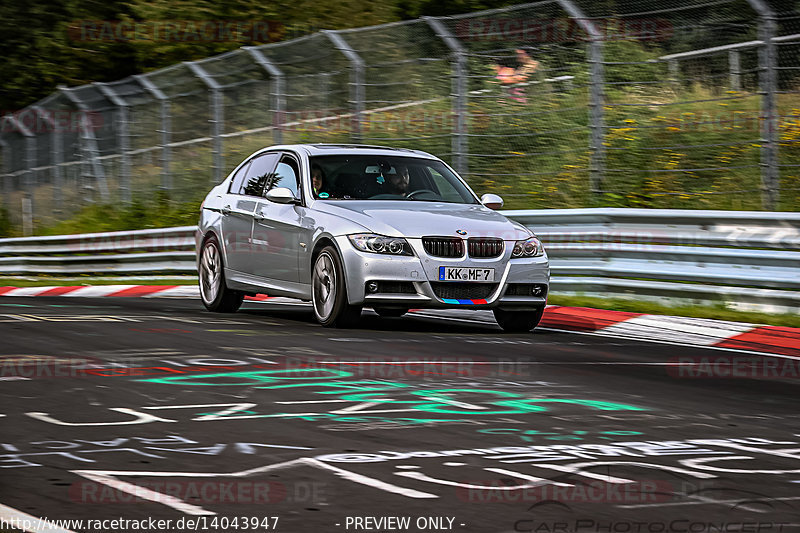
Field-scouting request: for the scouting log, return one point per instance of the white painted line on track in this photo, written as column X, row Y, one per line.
column 696, row 331
column 182, row 291
column 37, row 525
column 95, row 291
column 146, row 494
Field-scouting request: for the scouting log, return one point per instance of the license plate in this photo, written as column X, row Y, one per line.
column 465, row 274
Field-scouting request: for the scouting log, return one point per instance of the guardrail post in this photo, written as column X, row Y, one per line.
column 30, row 162
column 356, row 81
column 123, row 139
column 217, row 118
column 768, row 86
column 277, row 81
column 458, row 93
column 56, row 153
column 596, row 94
column 166, row 128
column 735, row 68
column 92, row 150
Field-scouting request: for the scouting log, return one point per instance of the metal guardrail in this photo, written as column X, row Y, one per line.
column 153, row 250
column 749, row 260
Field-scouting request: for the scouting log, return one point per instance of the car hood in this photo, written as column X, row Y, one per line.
column 407, row 218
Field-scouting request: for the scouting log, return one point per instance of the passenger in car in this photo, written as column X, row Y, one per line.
column 317, row 179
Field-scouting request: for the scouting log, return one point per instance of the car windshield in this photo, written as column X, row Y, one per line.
column 371, row 177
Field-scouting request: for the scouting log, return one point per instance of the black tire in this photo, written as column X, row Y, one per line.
column 214, row 292
column 389, row 312
column 329, row 292
column 518, row 321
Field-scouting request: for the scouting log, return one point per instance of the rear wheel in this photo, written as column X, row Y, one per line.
column 214, row 292
column 329, row 292
column 518, row 321
column 389, row 312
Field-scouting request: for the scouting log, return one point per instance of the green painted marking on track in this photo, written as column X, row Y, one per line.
column 374, row 391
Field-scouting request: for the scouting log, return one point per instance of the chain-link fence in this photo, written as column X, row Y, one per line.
column 560, row 103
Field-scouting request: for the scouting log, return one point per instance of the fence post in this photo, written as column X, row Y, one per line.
column 458, row 93
column 277, row 82
column 166, row 129
column 356, row 81
column 56, row 154
column 91, row 148
column 123, row 139
column 596, row 94
column 735, row 68
column 768, row 86
column 30, row 162
column 217, row 117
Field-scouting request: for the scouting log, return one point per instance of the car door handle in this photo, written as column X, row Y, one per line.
column 226, row 210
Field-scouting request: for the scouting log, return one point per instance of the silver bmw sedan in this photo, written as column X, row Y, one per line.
column 353, row 226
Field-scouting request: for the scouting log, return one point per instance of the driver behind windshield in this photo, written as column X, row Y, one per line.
column 398, row 182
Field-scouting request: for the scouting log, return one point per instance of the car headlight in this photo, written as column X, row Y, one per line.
column 379, row 244
column 531, row 247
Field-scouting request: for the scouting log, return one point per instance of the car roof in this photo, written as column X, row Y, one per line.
column 316, row 149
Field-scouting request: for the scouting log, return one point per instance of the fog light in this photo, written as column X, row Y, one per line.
column 372, row 286
column 536, row 290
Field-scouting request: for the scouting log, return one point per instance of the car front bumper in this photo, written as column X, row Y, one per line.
column 421, row 272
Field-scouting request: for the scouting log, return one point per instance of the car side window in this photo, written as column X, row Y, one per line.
column 258, row 174
column 286, row 175
column 238, row 178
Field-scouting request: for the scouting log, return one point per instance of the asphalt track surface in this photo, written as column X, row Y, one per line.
column 137, row 409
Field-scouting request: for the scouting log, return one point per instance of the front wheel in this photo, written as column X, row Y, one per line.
column 518, row 321
column 214, row 292
column 329, row 292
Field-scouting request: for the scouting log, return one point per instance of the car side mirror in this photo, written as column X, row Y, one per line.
column 281, row 195
column 492, row 201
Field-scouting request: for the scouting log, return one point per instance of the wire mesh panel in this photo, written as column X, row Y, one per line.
column 406, row 86
column 246, row 104
column 557, row 103
column 681, row 126
column 788, row 101
column 317, row 89
column 528, row 96
column 190, row 115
